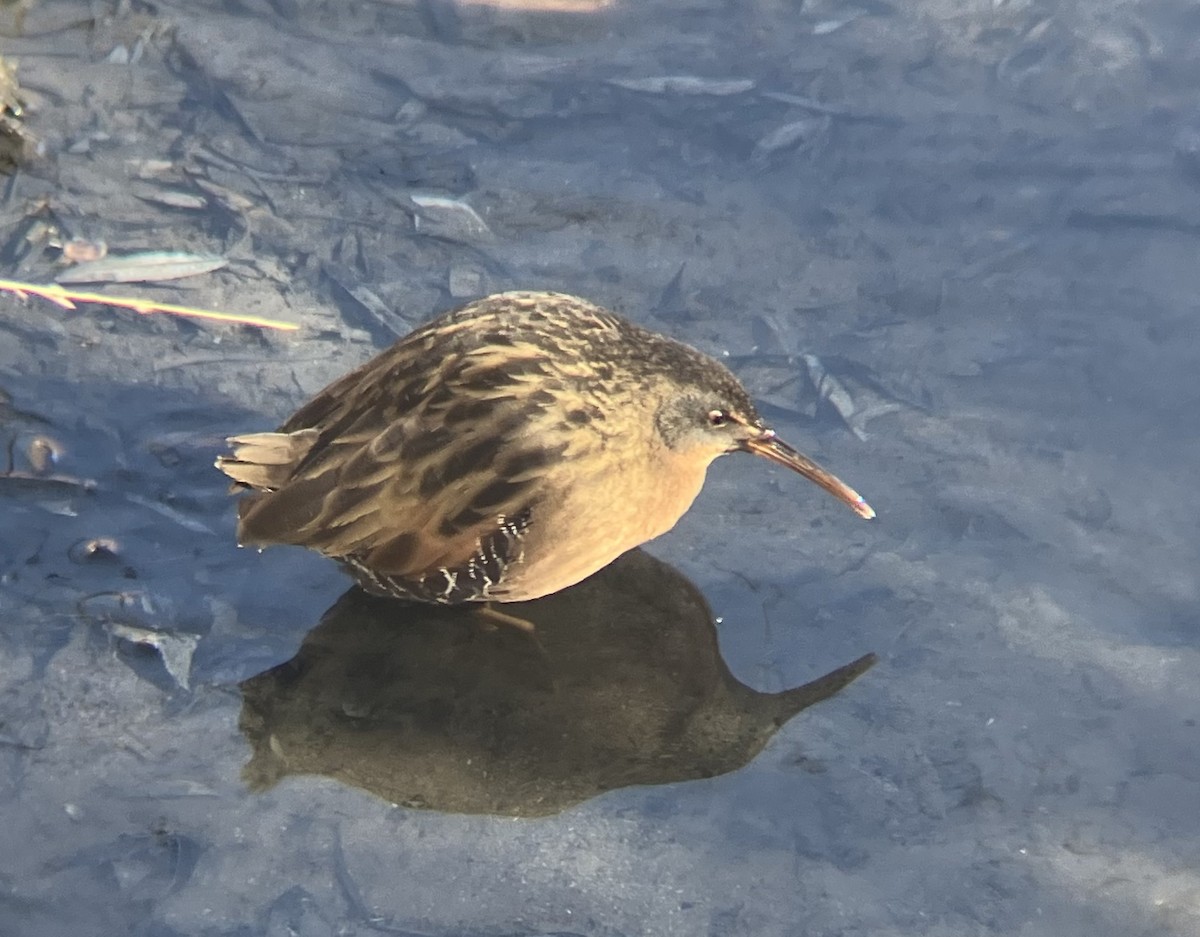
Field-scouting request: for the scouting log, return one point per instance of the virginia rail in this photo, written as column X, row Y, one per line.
column 502, row 452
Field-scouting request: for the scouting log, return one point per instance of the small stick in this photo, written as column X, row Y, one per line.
column 67, row 299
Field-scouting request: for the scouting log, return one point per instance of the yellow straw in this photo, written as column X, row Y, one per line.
column 66, row 299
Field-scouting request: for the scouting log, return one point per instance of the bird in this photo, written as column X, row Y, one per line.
column 502, row 452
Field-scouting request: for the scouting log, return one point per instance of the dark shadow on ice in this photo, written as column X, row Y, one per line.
column 621, row 684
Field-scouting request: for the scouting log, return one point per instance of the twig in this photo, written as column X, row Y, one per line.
column 67, row 299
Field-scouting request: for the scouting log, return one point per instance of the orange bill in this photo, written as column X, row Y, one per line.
column 770, row 446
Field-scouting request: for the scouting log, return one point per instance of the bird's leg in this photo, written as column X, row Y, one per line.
column 493, row 618
column 489, row 613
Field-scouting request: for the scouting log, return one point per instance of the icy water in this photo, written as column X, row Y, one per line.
column 950, row 245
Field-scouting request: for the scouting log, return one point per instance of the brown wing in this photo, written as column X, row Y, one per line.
column 403, row 469
column 409, row 500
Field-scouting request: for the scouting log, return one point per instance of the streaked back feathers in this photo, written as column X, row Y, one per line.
column 425, row 469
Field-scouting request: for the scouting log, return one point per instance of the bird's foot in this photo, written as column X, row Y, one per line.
column 493, row 616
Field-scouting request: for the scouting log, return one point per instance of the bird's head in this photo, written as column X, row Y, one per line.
column 708, row 415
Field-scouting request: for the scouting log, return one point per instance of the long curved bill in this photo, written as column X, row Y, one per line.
column 770, row 446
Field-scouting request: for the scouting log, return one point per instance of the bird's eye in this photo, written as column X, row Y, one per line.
column 717, row 418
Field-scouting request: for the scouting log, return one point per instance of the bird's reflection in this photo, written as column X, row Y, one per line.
column 621, row 683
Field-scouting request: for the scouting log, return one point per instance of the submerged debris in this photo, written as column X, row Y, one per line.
column 94, row 549
column 187, row 523
column 43, row 453
column 143, row 267
column 174, row 198
column 449, row 218
column 83, row 251
column 132, row 617
column 176, row 650
column 32, row 466
column 830, row 389
column 17, row 145
column 803, row 135
column 684, row 84
column 855, row 397
column 825, row 27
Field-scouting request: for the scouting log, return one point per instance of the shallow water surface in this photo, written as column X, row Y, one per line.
column 949, row 246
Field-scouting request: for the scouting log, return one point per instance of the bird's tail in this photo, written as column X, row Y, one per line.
column 264, row 461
